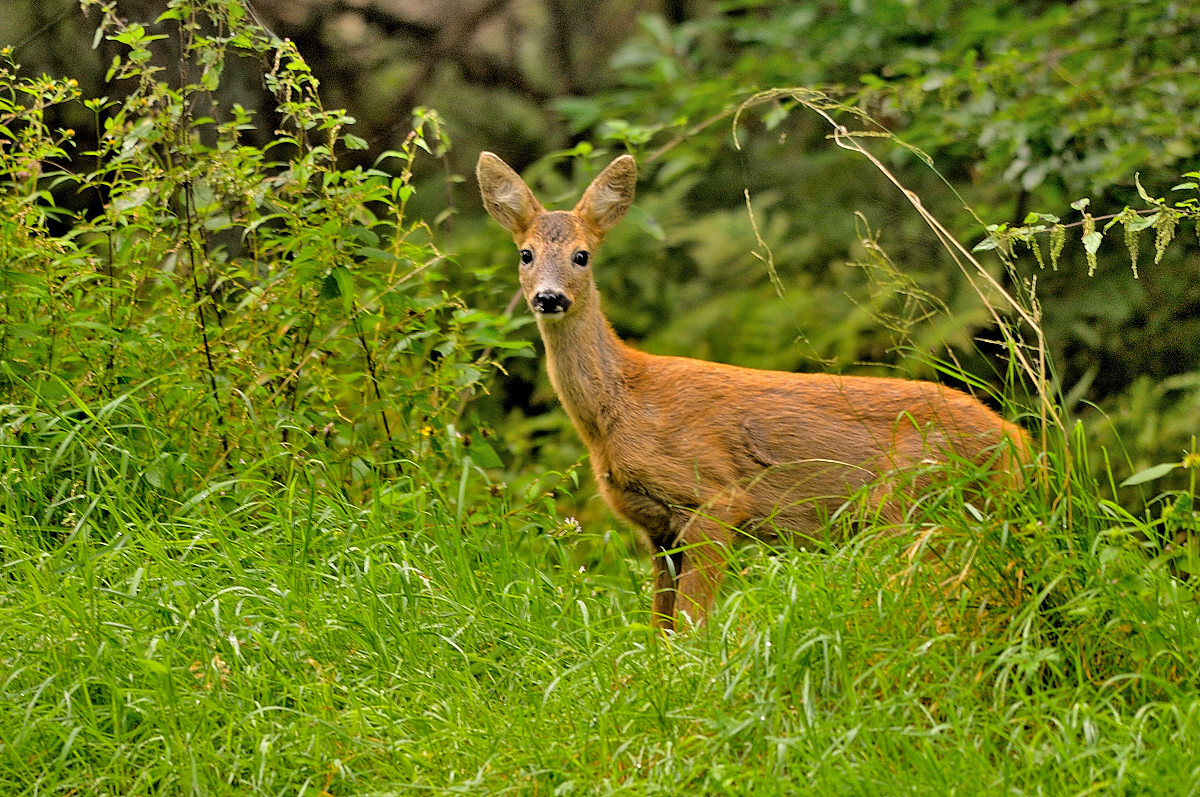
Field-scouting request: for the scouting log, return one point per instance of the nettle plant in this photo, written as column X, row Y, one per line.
column 236, row 305
column 1159, row 214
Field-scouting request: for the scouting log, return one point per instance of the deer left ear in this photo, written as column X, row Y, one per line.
column 606, row 200
column 507, row 199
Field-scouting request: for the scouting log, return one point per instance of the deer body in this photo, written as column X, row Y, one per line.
column 691, row 451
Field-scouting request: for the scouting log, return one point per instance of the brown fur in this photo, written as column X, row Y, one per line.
column 692, row 451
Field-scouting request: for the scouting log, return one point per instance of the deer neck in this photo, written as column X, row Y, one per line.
column 585, row 360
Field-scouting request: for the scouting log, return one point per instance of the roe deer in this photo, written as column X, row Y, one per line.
column 692, row 452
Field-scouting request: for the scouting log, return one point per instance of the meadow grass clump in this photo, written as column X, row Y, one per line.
column 252, row 634
column 257, row 636
column 1031, row 649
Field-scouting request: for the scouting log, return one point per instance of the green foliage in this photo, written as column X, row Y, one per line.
column 1150, row 417
column 255, row 305
column 1079, row 95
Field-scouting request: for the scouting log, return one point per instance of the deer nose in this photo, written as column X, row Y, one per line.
column 551, row 302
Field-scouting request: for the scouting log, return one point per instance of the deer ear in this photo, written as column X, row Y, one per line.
column 608, row 197
column 507, row 199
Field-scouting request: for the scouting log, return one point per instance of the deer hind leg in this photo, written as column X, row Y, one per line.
column 886, row 503
column 903, row 479
column 703, row 544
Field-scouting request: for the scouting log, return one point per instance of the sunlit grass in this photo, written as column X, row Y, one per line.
column 266, row 638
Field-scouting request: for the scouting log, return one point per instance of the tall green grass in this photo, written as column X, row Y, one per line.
column 253, row 636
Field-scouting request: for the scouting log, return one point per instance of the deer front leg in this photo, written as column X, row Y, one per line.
column 704, row 541
column 666, row 573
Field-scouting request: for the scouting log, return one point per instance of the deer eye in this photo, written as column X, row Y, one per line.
column 580, row 259
column 526, row 257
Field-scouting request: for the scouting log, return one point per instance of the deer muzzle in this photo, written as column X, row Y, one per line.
column 551, row 302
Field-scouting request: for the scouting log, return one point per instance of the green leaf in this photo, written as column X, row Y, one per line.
column 1150, row 474
column 1140, row 223
column 389, row 153
column 371, row 253
column 345, row 283
column 133, row 199
column 1142, row 191
column 483, row 454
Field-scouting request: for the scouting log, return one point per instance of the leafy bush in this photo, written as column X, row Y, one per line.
column 218, row 302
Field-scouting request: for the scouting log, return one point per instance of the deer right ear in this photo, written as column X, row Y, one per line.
column 507, row 199
column 608, row 197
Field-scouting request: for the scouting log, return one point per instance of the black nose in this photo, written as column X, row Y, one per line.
column 551, row 302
